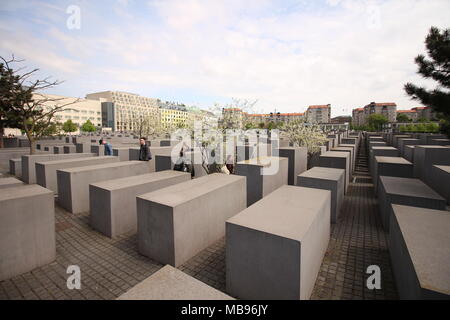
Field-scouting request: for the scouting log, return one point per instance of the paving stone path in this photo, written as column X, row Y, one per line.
column 111, row 267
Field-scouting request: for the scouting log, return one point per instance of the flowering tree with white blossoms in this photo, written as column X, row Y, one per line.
column 306, row 135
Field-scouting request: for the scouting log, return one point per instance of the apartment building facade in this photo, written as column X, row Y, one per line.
column 318, row 114
column 358, row 117
column 387, row 109
column 122, row 109
column 78, row 110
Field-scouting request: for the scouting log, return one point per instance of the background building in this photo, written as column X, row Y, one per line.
column 358, row 117
column 387, row 109
column 319, row 114
column 79, row 112
column 173, row 116
column 124, row 108
column 411, row 114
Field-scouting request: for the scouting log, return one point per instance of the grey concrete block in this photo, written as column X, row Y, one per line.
column 392, row 167
column 169, row 283
column 352, row 157
column 440, row 181
column 426, row 156
column 297, row 161
column 384, row 151
column 403, row 142
column 405, row 191
column 430, row 137
column 27, row 229
column 10, row 182
column 83, row 147
column 329, row 179
column 245, row 153
column 259, row 185
column 163, row 151
column 15, row 167
column 98, row 150
column 274, row 249
column 419, row 246
column 177, row 222
column 70, row 149
column 349, row 141
column 58, row 149
column 440, row 142
column 399, row 136
column 113, row 202
column 409, row 153
column 29, row 163
column 46, row 171
column 73, row 183
column 122, row 153
column 339, row 160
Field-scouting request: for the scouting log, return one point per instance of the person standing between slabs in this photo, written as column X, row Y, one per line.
column 144, row 151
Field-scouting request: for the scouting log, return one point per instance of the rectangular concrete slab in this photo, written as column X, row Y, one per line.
column 15, row 167
column 274, row 249
column 27, row 229
column 73, row 183
column 405, row 191
column 329, row 179
column 392, row 167
column 259, row 184
column 113, row 202
column 297, row 161
column 427, row 156
column 10, row 182
column 409, row 153
column 419, row 246
column 29, row 161
column 169, row 283
column 440, row 181
column 403, row 142
column 177, row 222
column 338, row 160
column 46, row 171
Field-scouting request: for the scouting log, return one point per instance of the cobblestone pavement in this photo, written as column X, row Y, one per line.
column 109, row 267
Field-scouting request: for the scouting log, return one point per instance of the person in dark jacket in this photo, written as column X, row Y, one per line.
column 144, row 151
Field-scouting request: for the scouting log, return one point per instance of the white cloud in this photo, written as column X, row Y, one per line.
column 348, row 53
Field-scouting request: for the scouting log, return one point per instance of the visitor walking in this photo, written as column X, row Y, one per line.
column 144, row 151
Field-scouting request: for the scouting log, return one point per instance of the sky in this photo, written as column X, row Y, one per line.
column 286, row 54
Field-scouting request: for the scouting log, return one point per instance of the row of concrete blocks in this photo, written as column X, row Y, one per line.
column 430, row 166
column 413, row 214
column 180, row 232
column 177, row 222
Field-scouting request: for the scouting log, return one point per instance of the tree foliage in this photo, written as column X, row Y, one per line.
column 301, row 134
column 403, row 118
column 376, row 121
column 88, row 126
column 437, row 68
column 69, row 126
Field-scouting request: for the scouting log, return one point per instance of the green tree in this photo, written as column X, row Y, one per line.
column 8, row 83
column 423, row 119
column 88, row 126
column 437, row 67
column 402, row 118
column 69, row 126
column 376, row 121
